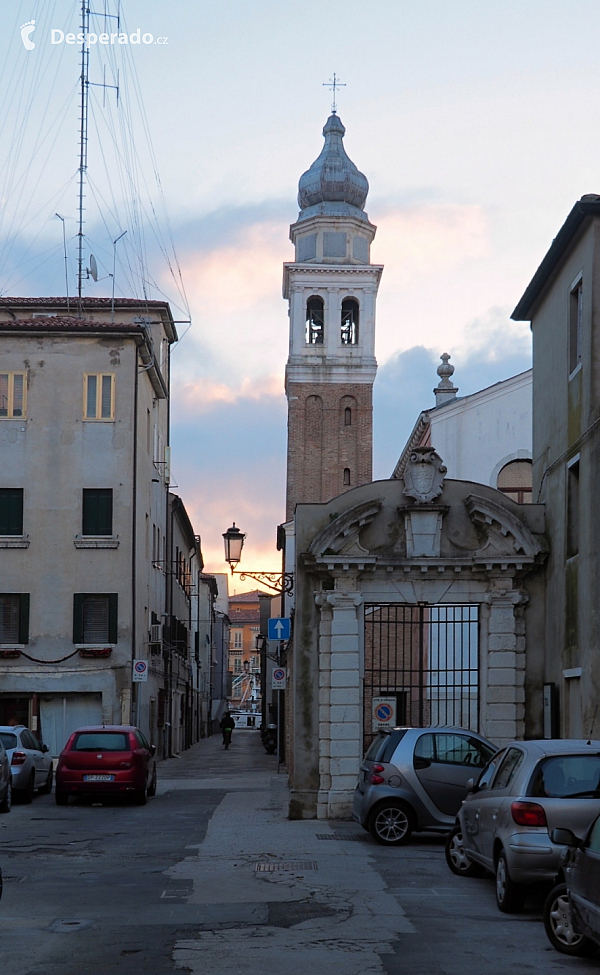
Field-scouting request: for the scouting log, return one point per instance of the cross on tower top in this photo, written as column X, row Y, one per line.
column 333, row 84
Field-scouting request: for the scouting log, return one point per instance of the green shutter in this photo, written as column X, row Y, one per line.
column 90, row 512
column 24, row 618
column 78, row 617
column 97, row 511
column 105, row 511
column 113, row 617
column 11, row 511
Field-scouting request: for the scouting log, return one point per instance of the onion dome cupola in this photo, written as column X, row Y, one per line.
column 333, row 178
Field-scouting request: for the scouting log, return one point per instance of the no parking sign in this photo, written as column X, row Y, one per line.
column 140, row 670
column 384, row 712
column 278, row 679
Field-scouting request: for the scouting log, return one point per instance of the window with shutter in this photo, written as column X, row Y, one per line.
column 10, row 607
column 95, row 618
column 98, row 396
column 11, row 511
column 97, row 511
column 12, row 395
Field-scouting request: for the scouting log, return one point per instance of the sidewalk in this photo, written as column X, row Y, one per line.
column 278, row 897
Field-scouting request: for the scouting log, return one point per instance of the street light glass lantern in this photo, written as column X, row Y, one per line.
column 233, row 539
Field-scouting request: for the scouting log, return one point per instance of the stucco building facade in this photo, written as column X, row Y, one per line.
column 85, row 544
column 561, row 302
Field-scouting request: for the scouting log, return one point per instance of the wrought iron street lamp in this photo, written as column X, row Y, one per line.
column 278, row 582
column 234, row 543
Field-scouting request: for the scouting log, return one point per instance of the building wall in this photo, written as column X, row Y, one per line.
column 565, row 408
column 53, row 453
column 320, row 443
column 478, row 434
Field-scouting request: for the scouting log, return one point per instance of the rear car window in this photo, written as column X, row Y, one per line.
column 105, row 741
column 8, row 740
column 566, row 776
column 384, row 745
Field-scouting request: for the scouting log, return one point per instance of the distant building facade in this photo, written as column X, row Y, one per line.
column 244, row 654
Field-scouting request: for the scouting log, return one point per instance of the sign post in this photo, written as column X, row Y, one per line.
column 278, row 679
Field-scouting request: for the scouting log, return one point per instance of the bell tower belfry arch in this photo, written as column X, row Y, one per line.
column 332, row 289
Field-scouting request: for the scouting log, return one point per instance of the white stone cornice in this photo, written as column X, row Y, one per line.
column 313, row 274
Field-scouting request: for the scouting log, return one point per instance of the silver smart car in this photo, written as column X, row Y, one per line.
column 505, row 823
column 415, row 779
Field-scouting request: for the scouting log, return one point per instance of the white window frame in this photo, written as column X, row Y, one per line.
column 11, row 396
column 99, row 376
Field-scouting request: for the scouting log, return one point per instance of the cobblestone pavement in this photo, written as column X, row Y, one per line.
column 210, row 877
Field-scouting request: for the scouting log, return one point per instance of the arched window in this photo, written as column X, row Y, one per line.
column 515, row 480
column 347, row 417
column 314, row 320
column 349, row 331
column 346, row 476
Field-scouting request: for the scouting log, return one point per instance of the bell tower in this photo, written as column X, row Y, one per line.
column 331, row 288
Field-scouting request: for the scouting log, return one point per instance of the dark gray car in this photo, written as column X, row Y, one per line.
column 415, row 779
column 572, row 909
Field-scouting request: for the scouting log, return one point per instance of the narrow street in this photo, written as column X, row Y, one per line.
column 210, row 877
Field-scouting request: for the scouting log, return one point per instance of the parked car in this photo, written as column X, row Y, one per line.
column 504, row 825
column 572, row 908
column 106, row 761
column 415, row 779
column 5, row 781
column 30, row 762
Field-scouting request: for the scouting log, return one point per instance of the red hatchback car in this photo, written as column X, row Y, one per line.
column 106, row 761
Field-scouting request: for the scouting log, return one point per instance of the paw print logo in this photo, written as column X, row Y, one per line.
column 26, row 32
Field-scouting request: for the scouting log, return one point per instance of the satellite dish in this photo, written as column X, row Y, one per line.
column 93, row 267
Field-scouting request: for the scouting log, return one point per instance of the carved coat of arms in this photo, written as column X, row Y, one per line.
column 424, row 475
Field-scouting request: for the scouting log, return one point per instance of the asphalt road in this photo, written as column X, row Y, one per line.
column 174, row 886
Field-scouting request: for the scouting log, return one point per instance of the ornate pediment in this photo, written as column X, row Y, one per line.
column 341, row 537
column 502, row 533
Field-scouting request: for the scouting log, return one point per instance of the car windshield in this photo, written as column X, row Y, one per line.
column 566, row 777
column 8, row 740
column 105, row 741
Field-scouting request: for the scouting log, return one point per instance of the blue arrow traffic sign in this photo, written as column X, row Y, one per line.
column 279, row 628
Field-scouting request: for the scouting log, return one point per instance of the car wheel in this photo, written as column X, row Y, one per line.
column 457, row 859
column 152, row 786
column 391, row 823
column 510, row 896
column 141, row 798
column 46, row 788
column 7, row 801
column 27, row 793
column 61, row 798
column 559, row 926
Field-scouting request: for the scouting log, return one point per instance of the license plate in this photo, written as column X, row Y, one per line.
column 98, row 778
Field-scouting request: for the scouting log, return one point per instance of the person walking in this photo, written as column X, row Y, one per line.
column 227, row 725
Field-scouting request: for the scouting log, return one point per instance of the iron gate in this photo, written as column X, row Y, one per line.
column 426, row 659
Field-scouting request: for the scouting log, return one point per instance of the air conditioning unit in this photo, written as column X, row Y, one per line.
column 155, row 633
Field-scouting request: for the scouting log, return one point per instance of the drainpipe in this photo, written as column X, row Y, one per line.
column 134, row 707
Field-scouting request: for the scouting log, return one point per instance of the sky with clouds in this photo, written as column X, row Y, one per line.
column 474, row 122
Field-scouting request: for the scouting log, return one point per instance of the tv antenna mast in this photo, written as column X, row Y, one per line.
column 85, row 83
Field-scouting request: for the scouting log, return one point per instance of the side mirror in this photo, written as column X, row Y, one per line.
column 470, row 786
column 45, row 749
column 565, row 837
